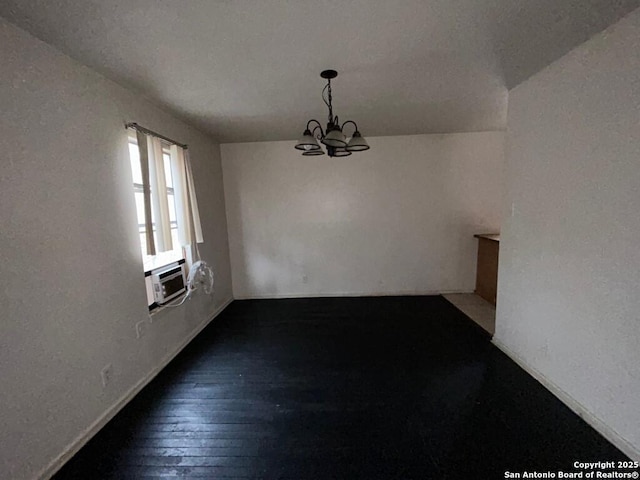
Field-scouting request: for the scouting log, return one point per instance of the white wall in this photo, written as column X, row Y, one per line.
column 72, row 286
column 396, row 219
column 569, row 278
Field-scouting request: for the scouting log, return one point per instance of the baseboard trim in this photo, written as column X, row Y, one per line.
column 411, row 293
column 602, row 428
column 80, row 441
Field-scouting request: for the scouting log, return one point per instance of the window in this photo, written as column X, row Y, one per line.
column 166, row 205
column 138, row 188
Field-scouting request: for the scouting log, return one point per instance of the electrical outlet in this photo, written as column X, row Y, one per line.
column 140, row 328
column 106, row 374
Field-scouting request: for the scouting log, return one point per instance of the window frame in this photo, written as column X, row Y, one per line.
column 176, row 256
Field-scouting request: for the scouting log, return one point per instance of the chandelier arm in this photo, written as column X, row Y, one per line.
column 313, row 120
column 350, row 121
column 321, row 135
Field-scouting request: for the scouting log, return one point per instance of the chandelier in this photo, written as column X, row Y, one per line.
column 333, row 138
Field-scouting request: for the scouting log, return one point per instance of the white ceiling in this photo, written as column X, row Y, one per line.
column 247, row 70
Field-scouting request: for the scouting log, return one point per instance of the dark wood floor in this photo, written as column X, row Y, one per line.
column 345, row 388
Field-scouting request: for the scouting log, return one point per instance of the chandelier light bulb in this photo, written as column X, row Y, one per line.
column 307, row 142
column 357, row 143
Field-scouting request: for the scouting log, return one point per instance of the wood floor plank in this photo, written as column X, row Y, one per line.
column 345, row 388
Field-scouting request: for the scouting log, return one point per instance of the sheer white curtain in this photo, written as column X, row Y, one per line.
column 160, row 200
column 146, row 191
column 190, row 229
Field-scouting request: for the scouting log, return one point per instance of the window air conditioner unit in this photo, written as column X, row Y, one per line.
column 168, row 283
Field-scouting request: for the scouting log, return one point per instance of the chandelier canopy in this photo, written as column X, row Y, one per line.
column 333, row 138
